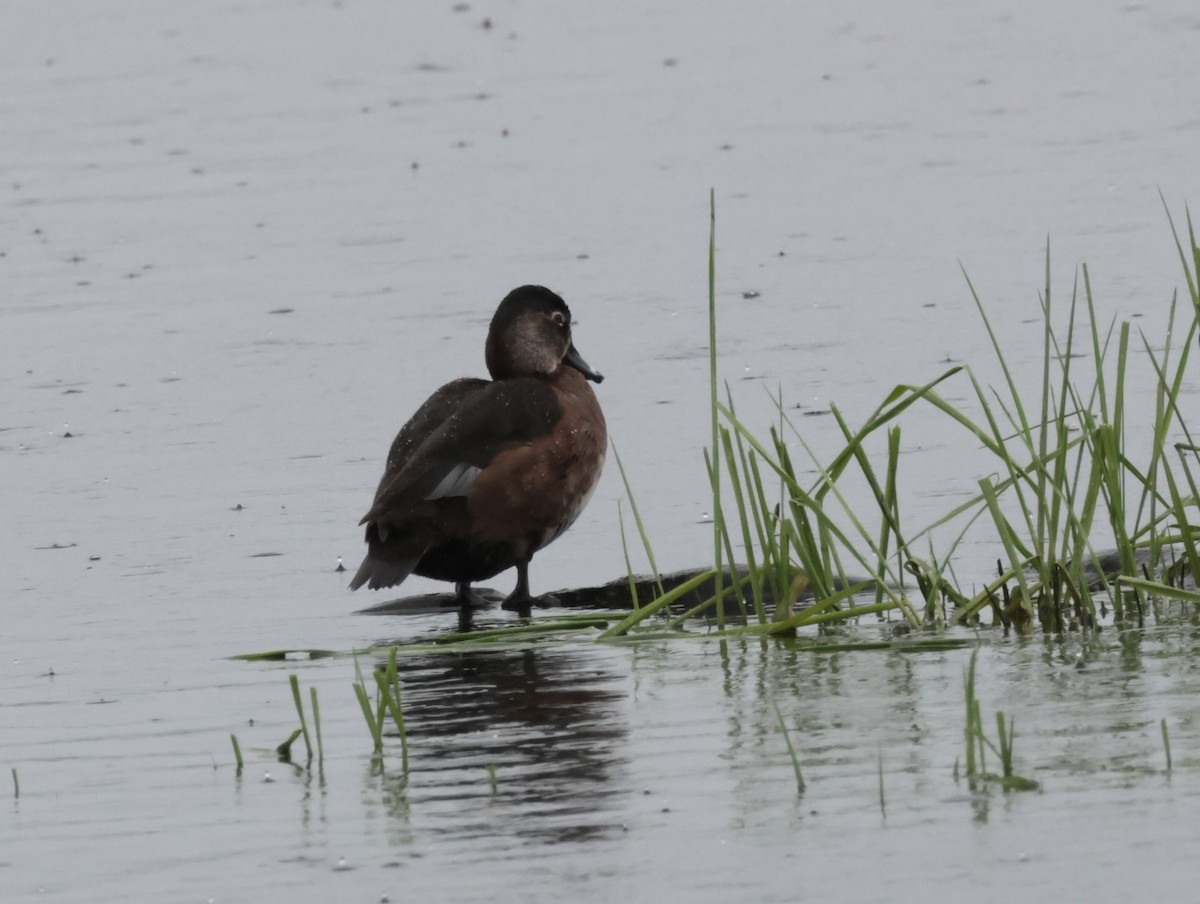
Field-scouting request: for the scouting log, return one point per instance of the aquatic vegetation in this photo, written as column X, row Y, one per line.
column 1067, row 483
column 387, row 702
column 284, row 750
column 294, row 681
column 978, row 743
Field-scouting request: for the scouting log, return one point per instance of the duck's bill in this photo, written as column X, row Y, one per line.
column 576, row 361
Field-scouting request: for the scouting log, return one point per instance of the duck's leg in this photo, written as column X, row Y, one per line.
column 466, row 598
column 519, row 600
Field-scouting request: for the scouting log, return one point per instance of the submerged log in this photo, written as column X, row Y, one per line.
column 613, row 595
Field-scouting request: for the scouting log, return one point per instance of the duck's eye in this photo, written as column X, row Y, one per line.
column 559, row 318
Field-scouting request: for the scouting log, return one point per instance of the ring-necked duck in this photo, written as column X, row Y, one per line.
column 487, row 472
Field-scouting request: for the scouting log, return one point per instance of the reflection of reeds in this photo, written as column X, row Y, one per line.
column 1166, row 743
column 787, row 739
column 1064, row 475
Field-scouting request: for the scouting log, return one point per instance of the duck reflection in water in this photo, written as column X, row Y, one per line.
column 552, row 722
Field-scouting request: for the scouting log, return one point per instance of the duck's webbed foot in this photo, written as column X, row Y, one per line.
column 466, row 598
column 523, row 606
column 519, row 601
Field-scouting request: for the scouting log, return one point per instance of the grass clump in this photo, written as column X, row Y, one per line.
column 284, row 750
column 387, row 702
column 1066, row 484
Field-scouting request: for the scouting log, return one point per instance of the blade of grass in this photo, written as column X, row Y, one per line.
column 714, row 401
column 388, row 682
column 294, row 681
column 637, row 519
column 316, row 710
column 374, row 725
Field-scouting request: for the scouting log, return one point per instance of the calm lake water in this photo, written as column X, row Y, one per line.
column 240, row 243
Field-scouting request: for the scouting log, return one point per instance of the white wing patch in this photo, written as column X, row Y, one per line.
column 458, row 482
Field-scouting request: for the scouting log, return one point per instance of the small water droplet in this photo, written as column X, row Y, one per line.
column 267, row 777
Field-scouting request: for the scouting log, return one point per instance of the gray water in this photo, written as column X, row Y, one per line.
column 240, row 243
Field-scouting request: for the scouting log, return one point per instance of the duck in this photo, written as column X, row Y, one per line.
column 487, row 473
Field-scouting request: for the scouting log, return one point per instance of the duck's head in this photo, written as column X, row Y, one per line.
column 530, row 336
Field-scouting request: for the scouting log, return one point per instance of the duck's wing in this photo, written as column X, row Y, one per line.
column 431, row 415
column 393, row 554
column 439, row 457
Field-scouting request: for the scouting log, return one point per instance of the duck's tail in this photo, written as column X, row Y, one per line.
column 387, row 562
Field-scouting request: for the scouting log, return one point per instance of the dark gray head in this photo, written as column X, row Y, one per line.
column 530, row 336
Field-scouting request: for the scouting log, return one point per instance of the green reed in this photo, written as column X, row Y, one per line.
column 284, row 750
column 641, row 527
column 371, row 715
column 316, row 710
column 387, row 703
column 720, row 535
column 294, row 681
column 978, row 743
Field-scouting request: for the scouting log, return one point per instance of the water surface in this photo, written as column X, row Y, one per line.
column 240, row 243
